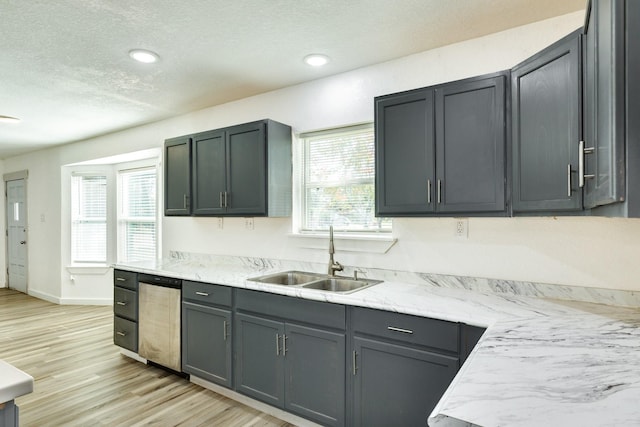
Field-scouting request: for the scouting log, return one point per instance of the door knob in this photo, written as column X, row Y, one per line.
column 22, row 242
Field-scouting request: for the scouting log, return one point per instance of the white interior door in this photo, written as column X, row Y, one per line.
column 17, row 234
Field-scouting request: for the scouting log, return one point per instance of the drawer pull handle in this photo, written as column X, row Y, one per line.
column 122, row 334
column 121, row 279
column 121, row 303
column 202, row 294
column 277, row 344
column 404, row 331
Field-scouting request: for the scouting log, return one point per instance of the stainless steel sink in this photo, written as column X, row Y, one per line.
column 288, row 278
column 341, row 285
column 316, row 281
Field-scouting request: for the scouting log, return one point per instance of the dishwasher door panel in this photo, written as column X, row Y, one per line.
column 159, row 325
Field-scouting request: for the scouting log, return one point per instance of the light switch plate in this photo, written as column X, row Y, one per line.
column 248, row 223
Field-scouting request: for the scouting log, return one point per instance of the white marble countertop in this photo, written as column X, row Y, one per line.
column 541, row 362
column 13, row 382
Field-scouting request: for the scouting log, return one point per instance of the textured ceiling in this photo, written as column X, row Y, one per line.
column 65, row 70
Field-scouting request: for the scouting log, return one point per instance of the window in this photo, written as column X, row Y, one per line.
column 137, row 214
column 88, row 218
column 338, row 183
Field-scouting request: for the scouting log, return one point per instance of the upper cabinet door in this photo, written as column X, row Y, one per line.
column 209, row 173
column 177, row 182
column 405, row 153
column 604, row 103
column 470, row 146
column 246, row 169
column 546, row 112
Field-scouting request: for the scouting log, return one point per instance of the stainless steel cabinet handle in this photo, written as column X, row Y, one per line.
column 122, row 334
column 121, row 303
column 354, row 356
column 277, row 344
column 569, row 180
column 185, row 201
column 428, row 191
column 404, row 331
column 202, row 294
column 226, row 199
column 581, row 168
column 439, row 191
column 284, row 345
column 222, row 199
column 224, row 330
column 121, row 279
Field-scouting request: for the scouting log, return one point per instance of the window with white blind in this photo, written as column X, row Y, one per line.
column 88, row 218
column 137, row 214
column 338, row 182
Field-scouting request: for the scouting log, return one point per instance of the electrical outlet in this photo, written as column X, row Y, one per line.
column 248, row 223
column 462, row 228
column 220, row 223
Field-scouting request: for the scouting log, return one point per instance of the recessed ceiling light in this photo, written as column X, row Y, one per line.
column 9, row 119
column 145, row 56
column 316, row 59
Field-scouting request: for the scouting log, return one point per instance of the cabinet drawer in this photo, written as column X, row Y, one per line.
column 125, row 333
column 290, row 308
column 125, row 303
column 125, row 279
column 403, row 327
column 206, row 293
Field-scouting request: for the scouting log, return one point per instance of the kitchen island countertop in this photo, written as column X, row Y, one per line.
column 13, row 382
column 540, row 362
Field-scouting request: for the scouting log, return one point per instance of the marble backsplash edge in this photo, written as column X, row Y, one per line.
column 483, row 285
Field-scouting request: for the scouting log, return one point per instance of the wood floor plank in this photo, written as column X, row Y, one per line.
column 81, row 379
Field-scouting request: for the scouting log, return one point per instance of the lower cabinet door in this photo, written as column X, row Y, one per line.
column 396, row 385
column 315, row 374
column 259, row 365
column 206, row 343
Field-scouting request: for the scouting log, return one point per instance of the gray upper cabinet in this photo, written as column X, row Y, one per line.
column 242, row 170
column 604, row 103
column 470, row 146
column 546, row 112
column 177, row 178
column 405, row 153
column 441, row 150
column 209, row 172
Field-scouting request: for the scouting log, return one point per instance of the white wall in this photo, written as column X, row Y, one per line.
column 585, row 251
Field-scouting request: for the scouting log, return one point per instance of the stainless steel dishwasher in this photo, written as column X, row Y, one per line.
column 159, row 320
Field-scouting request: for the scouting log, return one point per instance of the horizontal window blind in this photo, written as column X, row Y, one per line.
column 339, row 182
column 138, row 214
column 89, row 218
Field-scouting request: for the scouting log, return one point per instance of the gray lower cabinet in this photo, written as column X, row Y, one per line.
column 400, row 366
column 206, row 332
column 9, row 414
column 283, row 360
column 125, row 309
column 546, row 114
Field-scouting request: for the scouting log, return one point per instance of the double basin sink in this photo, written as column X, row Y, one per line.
column 316, row 281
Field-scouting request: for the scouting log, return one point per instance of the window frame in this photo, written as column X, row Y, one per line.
column 300, row 161
column 73, row 194
column 121, row 220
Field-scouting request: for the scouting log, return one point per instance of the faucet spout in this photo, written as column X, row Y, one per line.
column 333, row 265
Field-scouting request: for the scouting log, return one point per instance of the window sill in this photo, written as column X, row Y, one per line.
column 88, row 269
column 345, row 243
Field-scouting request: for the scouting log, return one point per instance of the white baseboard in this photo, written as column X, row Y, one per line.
column 43, row 295
column 132, row 355
column 69, row 301
column 86, row 301
column 263, row 407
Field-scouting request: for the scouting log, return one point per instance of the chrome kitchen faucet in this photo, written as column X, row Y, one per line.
column 333, row 265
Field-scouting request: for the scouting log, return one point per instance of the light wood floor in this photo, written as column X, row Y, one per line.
column 81, row 379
